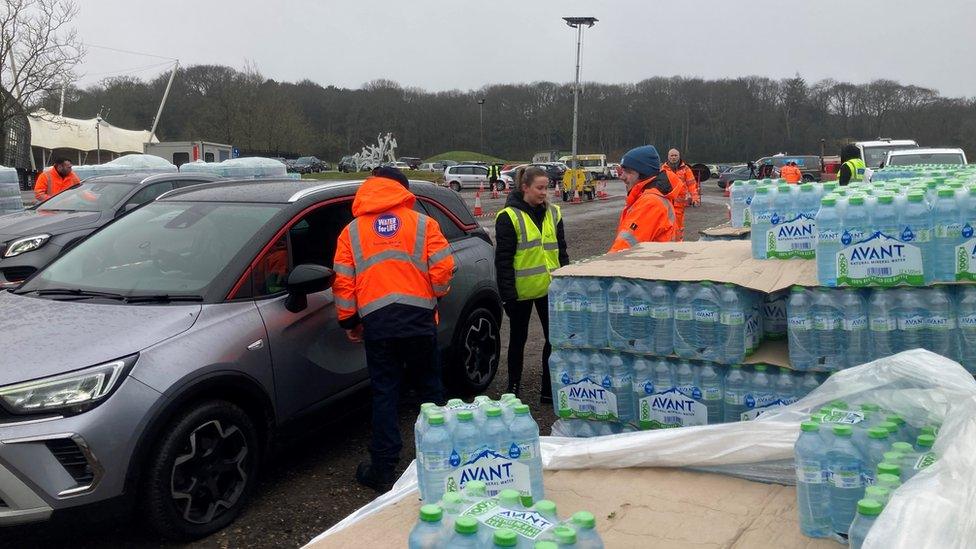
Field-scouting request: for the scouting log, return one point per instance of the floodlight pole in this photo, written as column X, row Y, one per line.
column 98, row 139
column 577, row 23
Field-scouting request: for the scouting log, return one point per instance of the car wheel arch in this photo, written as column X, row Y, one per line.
column 483, row 298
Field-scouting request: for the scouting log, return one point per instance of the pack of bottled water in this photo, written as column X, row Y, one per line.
column 835, row 328
column 133, row 163
column 850, row 458
column 721, row 323
column 782, row 218
column 607, row 392
column 470, row 518
column 251, row 168
column 10, row 199
column 493, row 442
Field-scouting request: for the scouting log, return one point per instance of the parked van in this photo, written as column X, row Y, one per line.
column 595, row 164
column 810, row 165
column 874, row 152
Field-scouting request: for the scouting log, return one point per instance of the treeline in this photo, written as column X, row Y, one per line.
column 710, row 120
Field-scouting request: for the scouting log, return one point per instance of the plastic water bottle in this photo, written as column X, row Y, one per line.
column 854, row 344
column 762, row 213
column 496, row 433
column 774, row 321
column 877, row 493
column 467, row 438
column 663, row 376
column 735, row 393
column 856, row 222
column 504, row 537
column 827, row 329
column 829, row 229
column 618, row 314
column 737, row 197
column 419, row 428
column 760, row 388
column 565, row 536
column 800, row 328
column 706, row 308
column 561, row 371
column 426, row 534
column 785, row 387
column 586, row 535
column 966, row 321
column 684, row 380
column 867, row 512
column 573, row 310
column 807, row 202
column 948, row 235
column 662, row 340
column 684, row 321
column 621, row 382
column 436, row 448
column 883, row 322
column 912, row 318
column 639, row 321
column 877, row 445
column 884, row 218
column 596, row 327
column 596, row 367
column 940, row 323
column 711, row 383
column 732, row 322
column 916, row 230
column 844, row 465
column 525, row 447
column 643, row 383
column 465, row 534
column 808, row 383
column 812, row 488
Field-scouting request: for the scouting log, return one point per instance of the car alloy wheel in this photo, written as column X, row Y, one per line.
column 456, row 186
column 210, row 477
column 481, row 347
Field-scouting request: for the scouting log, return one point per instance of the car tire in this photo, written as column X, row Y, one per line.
column 807, row 178
column 499, row 186
column 177, row 504
column 456, row 186
column 475, row 352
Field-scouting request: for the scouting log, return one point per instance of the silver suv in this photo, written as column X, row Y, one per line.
column 152, row 362
column 467, row 176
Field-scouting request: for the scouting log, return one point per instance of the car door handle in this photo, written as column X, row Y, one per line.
column 257, row 345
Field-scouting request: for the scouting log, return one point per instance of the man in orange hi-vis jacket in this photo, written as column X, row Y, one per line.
column 54, row 179
column 647, row 215
column 392, row 264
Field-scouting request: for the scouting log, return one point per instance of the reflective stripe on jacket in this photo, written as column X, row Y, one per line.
column 390, row 254
column 536, row 253
column 50, row 183
column 647, row 217
column 856, row 166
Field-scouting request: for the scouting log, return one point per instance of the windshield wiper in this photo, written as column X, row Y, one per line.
column 162, row 298
column 55, row 210
column 77, row 292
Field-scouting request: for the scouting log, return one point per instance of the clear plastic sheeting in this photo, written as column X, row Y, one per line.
column 10, row 200
column 199, row 166
column 932, row 509
column 251, row 167
column 130, row 163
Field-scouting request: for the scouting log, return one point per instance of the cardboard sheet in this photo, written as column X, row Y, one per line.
column 638, row 508
column 718, row 261
column 726, row 231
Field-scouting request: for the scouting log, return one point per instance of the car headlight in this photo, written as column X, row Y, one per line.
column 24, row 245
column 71, row 393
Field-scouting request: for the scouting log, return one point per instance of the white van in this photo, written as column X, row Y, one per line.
column 908, row 157
column 594, row 164
column 873, row 153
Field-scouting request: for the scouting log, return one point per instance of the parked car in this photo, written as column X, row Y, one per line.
column 432, row 167
column 412, row 162
column 810, row 165
column 554, row 170
column 874, row 152
column 32, row 238
column 466, row 176
column 400, row 165
column 737, row 173
column 347, row 164
column 907, row 157
column 310, row 164
column 152, row 363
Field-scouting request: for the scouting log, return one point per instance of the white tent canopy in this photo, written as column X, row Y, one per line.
column 50, row 131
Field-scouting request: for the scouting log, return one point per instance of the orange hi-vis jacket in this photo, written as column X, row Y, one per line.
column 679, row 201
column 687, row 176
column 647, row 217
column 791, row 174
column 49, row 183
column 390, row 254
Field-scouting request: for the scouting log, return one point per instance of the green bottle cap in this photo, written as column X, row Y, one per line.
column 889, row 425
column 828, row 201
column 892, row 456
column 929, row 430
column 816, row 417
column 427, row 406
column 505, row 538
column 806, row 188
column 885, row 468
column 509, row 496
column 869, row 507
column 838, row 404
column 476, row 488
column 843, row 430
column 451, row 498
column 896, row 419
column 546, row 507
column 493, row 411
column 431, row 513
column 465, row 415
column 564, row 535
column 455, row 402
column 759, row 367
column 584, row 519
column 435, row 419
column 902, row 447
column 946, row 193
column 886, row 199
column 916, row 197
column 867, row 406
column 856, row 200
column 762, row 190
column 507, row 397
column 878, row 432
column 798, row 289
column 878, row 493
column 521, row 409
column 925, row 441
column 545, row 545
column 783, row 188
column 809, row 426
column 889, row 481
column 466, row 525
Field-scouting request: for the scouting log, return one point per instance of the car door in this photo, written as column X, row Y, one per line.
column 313, row 360
column 480, row 176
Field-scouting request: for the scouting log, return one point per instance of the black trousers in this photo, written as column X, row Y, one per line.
column 387, row 359
column 519, row 313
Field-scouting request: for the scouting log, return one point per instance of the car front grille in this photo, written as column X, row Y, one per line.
column 71, row 457
column 17, row 274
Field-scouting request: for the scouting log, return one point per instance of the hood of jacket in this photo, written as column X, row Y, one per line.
column 379, row 194
column 516, row 200
column 660, row 183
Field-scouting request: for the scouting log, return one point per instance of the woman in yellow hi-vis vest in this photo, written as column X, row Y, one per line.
column 529, row 245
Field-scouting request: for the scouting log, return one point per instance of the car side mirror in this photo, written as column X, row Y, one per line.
column 305, row 279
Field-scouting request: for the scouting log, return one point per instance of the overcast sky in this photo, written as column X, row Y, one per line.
column 465, row 44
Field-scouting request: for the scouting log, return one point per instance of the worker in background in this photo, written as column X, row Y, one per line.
column 392, row 264
column 54, row 179
column 851, row 165
column 647, row 215
column 529, row 244
column 494, row 173
column 791, row 173
column 678, row 166
column 752, row 169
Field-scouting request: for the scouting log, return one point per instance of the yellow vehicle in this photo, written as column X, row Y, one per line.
column 580, row 181
column 594, row 164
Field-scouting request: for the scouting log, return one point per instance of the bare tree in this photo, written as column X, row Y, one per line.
column 38, row 54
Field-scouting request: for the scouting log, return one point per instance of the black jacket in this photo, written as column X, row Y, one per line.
column 506, row 241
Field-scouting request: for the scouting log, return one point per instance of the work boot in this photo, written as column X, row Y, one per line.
column 514, row 387
column 371, row 476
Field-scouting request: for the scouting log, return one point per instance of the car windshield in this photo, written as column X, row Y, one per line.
column 87, row 197
column 595, row 163
column 926, row 158
column 162, row 248
column 874, row 156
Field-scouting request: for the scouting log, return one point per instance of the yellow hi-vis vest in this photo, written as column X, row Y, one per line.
column 856, row 165
column 537, row 252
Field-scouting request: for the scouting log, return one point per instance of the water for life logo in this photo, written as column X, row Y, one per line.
column 386, row 225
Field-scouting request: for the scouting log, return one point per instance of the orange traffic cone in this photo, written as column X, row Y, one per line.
column 477, row 204
column 576, row 196
column 494, row 191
